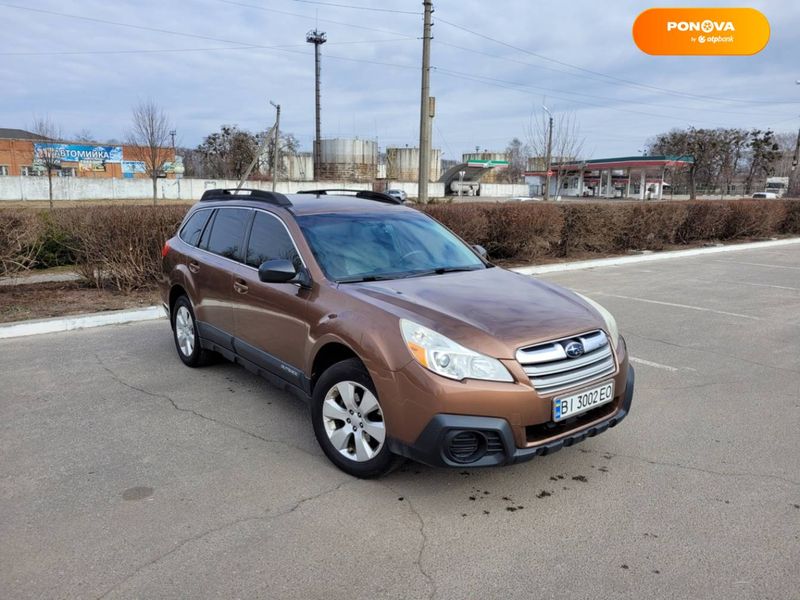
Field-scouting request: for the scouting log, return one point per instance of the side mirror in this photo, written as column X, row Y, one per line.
column 279, row 270
column 480, row 250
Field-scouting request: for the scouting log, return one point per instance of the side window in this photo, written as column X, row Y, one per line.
column 194, row 227
column 269, row 240
column 227, row 232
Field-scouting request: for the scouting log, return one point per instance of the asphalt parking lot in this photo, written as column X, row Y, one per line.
column 126, row 475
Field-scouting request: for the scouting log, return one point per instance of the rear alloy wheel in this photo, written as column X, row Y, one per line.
column 184, row 329
column 349, row 422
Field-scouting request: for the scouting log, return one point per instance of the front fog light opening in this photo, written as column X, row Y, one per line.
column 465, row 447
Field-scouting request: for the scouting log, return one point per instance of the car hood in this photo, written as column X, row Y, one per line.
column 493, row 311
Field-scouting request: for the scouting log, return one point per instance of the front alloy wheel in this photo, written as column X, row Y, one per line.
column 353, row 421
column 349, row 422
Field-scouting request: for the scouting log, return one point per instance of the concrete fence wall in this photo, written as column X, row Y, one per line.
column 80, row 188
column 504, row 189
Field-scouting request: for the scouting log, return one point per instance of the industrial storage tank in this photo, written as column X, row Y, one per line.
column 298, row 167
column 348, row 160
column 495, row 175
column 403, row 164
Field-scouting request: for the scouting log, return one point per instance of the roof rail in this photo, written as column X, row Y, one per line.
column 365, row 194
column 245, row 194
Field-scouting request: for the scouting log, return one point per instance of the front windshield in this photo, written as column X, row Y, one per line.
column 358, row 247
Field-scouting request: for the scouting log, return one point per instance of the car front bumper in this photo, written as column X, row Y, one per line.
column 434, row 445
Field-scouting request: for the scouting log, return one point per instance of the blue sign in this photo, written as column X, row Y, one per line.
column 78, row 152
column 129, row 167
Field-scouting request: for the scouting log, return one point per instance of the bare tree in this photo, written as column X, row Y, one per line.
column 517, row 153
column 84, row 135
column 148, row 140
column 567, row 140
column 47, row 157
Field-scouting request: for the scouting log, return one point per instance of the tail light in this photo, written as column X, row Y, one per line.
column 165, row 249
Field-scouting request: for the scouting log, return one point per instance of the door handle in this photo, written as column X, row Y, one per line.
column 240, row 285
column 194, row 266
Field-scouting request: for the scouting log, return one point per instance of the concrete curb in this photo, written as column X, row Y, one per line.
column 117, row 317
column 639, row 258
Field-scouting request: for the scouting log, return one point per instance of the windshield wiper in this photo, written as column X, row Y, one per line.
column 367, row 278
column 441, row 271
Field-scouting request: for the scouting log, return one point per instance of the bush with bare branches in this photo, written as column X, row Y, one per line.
column 20, row 240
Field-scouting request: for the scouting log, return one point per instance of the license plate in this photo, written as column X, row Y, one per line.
column 569, row 406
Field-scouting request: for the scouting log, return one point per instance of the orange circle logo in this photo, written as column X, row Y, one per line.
column 701, row 31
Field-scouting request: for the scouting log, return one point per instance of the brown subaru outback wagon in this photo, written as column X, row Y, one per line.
column 405, row 340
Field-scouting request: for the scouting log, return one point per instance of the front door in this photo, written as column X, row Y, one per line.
column 270, row 318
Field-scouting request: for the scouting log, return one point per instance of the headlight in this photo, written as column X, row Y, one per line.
column 444, row 357
column 611, row 322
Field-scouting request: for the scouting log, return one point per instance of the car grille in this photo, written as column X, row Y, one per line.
column 551, row 369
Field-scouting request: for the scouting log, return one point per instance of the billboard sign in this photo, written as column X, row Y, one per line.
column 92, row 165
column 78, row 152
column 130, row 167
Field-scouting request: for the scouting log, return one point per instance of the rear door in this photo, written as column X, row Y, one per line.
column 220, row 249
column 270, row 318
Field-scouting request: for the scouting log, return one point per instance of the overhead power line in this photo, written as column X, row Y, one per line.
column 180, row 50
column 521, row 87
column 549, row 90
column 626, row 82
column 371, row 8
column 309, row 17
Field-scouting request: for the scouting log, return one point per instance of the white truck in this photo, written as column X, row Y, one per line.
column 777, row 186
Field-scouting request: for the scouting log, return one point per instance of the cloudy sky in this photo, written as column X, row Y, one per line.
column 209, row 62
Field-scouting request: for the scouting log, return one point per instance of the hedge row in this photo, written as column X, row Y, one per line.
column 532, row 231
column 119, row 246
column 109, row 246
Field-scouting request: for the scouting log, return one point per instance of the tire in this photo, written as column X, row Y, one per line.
column 185, row 334
column 353, row 439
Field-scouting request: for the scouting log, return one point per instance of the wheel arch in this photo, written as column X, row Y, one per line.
column 175, row 292
column 328, row 355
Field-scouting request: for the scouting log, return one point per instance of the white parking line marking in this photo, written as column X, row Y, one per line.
column 650, row 363
column 767, row 285
column 699, row 308
column 737, row 262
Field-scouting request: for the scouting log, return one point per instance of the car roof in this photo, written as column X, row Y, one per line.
column 306, row 204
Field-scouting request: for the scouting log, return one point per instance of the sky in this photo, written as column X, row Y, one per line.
column 213, row 62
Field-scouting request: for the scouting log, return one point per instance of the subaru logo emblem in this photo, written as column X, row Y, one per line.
column 574, row 349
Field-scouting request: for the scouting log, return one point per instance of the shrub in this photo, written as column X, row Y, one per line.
column 791, row 221
column 57, row 243
column 523, row 231
column 20, row 240
column 119, row 246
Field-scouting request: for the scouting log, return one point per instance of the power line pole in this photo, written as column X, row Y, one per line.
column 794, row 176
column 276, row 147
column 425, row 107
column 549, row 157
column 317, row 38
column 257, row 156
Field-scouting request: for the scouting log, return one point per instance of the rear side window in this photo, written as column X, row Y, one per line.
column 193, row 229
column 227, row 232
column 270, row 240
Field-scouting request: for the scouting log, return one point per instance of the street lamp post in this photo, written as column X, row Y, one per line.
column 549, row 157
